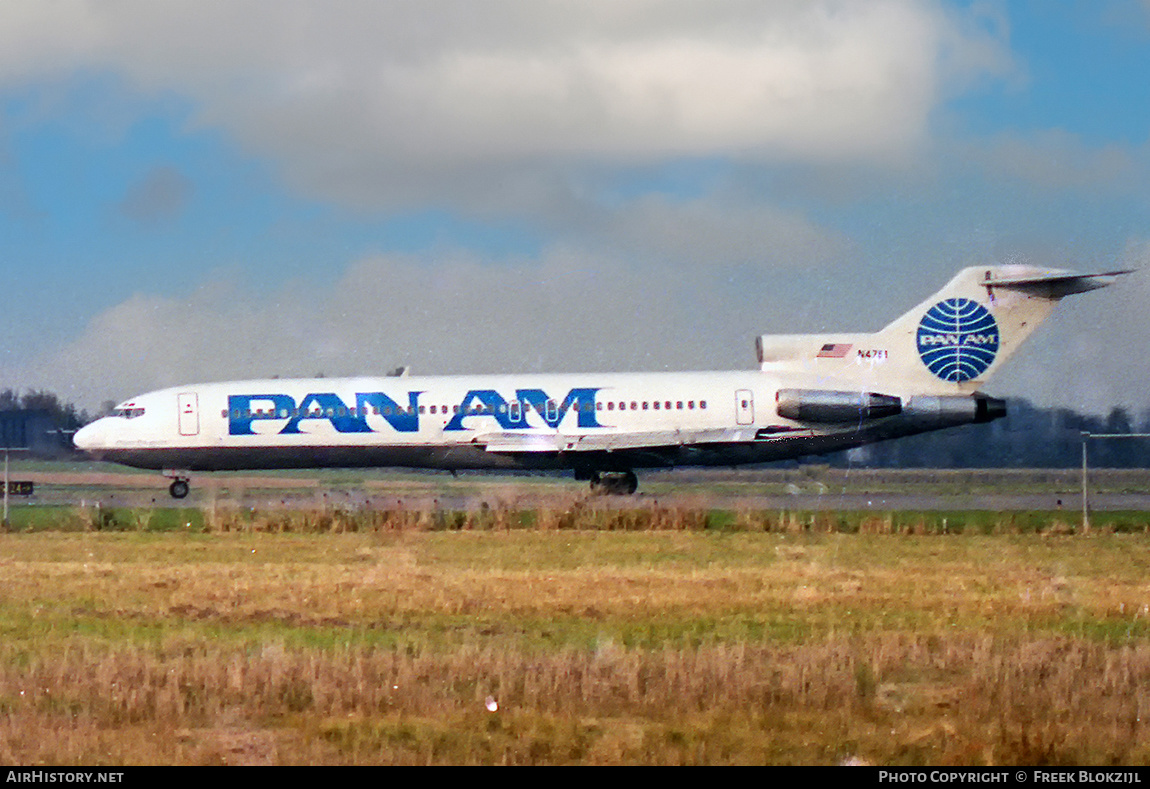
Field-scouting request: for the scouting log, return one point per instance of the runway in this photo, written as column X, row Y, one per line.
column 829, row 490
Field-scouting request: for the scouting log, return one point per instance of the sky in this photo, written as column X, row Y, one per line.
column 247, row 188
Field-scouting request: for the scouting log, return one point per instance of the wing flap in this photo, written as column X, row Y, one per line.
column 520, row 442
column 607, row 442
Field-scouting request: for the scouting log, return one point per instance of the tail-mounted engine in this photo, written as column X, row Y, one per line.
column 830, row 407
column 833, row 407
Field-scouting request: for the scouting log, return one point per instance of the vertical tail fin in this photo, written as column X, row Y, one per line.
column 951, row 343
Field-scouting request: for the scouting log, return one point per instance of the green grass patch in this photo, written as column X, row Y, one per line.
column 579, row 517
column 833, row 637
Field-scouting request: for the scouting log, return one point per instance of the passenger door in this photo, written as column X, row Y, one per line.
column 187, row 406
column 744, row 407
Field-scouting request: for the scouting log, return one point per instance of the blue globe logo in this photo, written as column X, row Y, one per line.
column 957, row 339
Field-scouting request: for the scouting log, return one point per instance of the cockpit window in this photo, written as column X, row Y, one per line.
column 128, row 413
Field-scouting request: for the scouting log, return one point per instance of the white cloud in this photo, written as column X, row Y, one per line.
column 718, row 233
column 365, row 101
column 568, row 310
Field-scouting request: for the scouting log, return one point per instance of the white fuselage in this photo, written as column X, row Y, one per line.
column 599, row 421
column 812, row 394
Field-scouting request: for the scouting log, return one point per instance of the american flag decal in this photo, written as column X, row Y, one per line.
column 834, row 350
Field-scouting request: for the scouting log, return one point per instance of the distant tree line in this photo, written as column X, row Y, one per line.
column 1028, row 437
column 65, row 416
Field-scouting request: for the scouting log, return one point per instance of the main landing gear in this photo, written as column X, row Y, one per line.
column 614, row 483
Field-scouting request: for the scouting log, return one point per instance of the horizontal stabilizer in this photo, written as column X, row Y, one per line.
column 1054, row 284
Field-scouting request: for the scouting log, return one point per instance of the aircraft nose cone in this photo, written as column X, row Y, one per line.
column 89, row 438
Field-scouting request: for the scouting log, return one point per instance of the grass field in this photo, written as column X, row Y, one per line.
column 671, row 636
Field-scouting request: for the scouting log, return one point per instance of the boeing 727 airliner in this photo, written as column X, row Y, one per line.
column 813, row 393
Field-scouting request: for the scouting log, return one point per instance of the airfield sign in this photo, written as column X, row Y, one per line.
column 21, row 487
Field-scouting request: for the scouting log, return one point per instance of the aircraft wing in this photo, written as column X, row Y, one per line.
column 607, row 442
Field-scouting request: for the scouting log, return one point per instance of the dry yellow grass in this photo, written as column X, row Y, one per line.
column 884, row 699
column 665, row 647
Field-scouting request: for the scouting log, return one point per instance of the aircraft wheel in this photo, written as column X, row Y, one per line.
column 615, row 484
column 178, row 489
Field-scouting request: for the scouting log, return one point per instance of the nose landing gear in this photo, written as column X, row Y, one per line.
column 179, row 487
